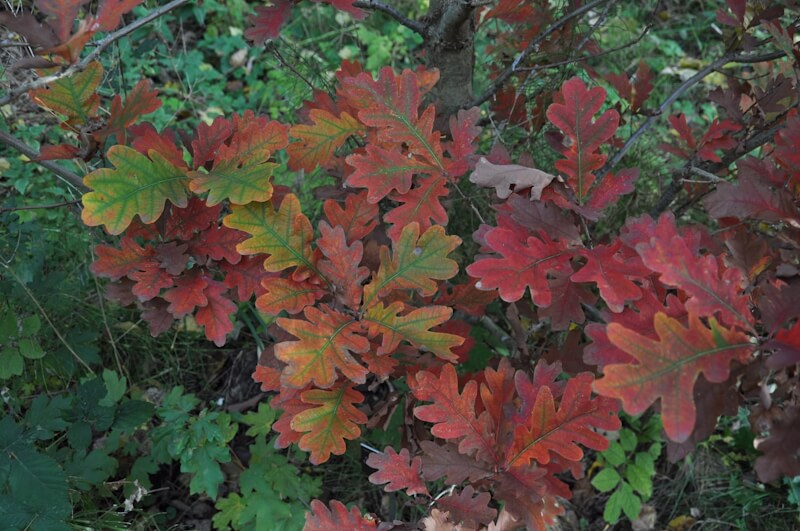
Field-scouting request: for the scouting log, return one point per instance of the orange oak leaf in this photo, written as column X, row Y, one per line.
column 341, row 265
column 391, row 104
column 327, row 341
column 334, row 420
column 337, row 518
column 399, row 471
column 668, row 368
column 381, row 170
column 414, row 327
column 286, row 294
column 284, row 234
column 415, row 263
column 358, row 217
column 139, row 184
column 317, row 141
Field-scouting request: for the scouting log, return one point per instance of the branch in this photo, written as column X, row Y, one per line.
column 392, row 12
column 677, row 93
column 753, row 142
column 72, row 178
column 41, row 207
column 532, row 47
column 101, row 45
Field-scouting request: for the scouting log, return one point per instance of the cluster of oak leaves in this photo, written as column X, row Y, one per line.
column 369, row 298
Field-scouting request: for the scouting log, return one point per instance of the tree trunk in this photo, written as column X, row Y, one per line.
column 450, row 48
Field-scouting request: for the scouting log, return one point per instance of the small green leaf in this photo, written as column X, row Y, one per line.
column 8, row 327
column 639, row 479
column 631, row 504
column 229, row 512
column 31, row 325
column 613, row 508
column 115, row 387
column 655, row 450
column 10, row 363
column 615, row 455
column 260, row 421
column 646, row 462
column 30, row 349
column 627, row 439
column 132, row 414
column 606, row 480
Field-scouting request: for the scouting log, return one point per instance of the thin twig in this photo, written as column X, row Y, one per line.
column 677, row 93
column 101, row 45
column 72, row 178
column 394, row 13
column 40, row 207
column 753, row 142
column 532, row 47
column 46, row 317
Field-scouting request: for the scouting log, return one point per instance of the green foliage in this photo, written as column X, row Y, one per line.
column 63, row 443
column 627, row 467
column 273, row 493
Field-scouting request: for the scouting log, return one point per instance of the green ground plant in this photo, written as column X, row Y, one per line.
column 125, row 416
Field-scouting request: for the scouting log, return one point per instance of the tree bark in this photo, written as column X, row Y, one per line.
column 450, row 47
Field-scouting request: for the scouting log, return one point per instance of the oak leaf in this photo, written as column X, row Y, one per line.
column 398, row 471
column 668, row 368
column 334, row 420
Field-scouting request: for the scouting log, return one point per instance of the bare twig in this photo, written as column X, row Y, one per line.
column 100, row 46
column 753, row 142
column 677, row 93
column 532, row 47
column 70, row 177
column 47, row 318
column 394, row 13
column 40, row 207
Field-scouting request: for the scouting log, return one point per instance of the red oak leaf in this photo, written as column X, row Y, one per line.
column 150, row 280
column 267, row 22
column 613, row 272
column 668, row 368
column 182, row 223
column 62, row 14
column 188, row 294
column 246, row 277
column 522, row 264
column 110, row 14
column 400, row 471
column 421, row 205
column 116, row 263
column 140, row 101
column 215, row 316
column 574, row 115
column 209, row 139
column 453, row 413
column 469, row 507
column 712, row 289
column 217, row 243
